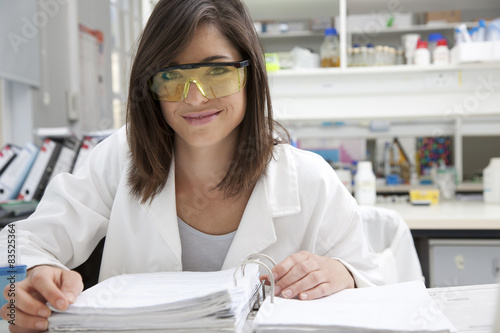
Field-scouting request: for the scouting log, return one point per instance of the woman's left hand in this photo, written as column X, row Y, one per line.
column 310, row 276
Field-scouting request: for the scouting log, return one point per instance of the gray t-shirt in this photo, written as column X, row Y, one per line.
column 201, row 251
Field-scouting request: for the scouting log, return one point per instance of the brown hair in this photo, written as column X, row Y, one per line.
column 169, row 29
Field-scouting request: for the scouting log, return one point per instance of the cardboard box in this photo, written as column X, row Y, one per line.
column 451, row 16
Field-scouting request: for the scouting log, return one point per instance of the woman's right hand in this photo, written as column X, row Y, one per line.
column 43, row 284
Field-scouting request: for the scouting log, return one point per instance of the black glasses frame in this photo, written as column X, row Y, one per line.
column 237, row 64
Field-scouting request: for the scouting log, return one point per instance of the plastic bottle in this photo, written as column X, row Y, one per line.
column 400, row 60
column 379, row 55
column 441, row 54
column 481, row 31
column 458, row 36
column 433, row 40
column 329, row 50
column 364, row 184
column 371, row 54
column 491, row 181
column 422, row 54
column 355, row 56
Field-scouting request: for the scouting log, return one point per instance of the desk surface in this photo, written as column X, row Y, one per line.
column 456, row 215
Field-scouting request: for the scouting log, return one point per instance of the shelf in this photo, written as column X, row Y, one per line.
column 387, row 92
column 405, row 189
column 291, row 34
column 413, row 29
column 402, row 189
column 378, row 70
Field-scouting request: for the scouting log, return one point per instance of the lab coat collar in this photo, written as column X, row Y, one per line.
column 163, row 212
column 282, row 183
column 275, row 195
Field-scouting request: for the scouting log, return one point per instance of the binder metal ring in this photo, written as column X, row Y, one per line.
column 250, row 261
column 261, row 255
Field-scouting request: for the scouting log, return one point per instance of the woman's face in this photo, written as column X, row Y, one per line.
column 197, row 120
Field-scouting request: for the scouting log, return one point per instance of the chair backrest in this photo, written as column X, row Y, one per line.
column 391, row 244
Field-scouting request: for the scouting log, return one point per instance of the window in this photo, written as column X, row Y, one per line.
column 126, row 25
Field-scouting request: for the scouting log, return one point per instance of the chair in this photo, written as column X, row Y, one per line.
column 391, row 244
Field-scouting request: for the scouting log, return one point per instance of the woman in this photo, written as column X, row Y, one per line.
column 196, row 180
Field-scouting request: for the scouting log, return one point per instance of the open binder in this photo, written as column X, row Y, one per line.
column 234, row 300
column 177, row 301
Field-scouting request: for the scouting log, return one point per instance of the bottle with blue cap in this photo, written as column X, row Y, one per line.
column 329, row 50
column 433, row 40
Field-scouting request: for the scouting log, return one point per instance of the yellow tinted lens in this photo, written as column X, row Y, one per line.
column 214, row 81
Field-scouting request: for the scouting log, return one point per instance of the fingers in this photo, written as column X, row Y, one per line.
column 59, row 287
column 19, row 329
column 310, row 276
column 286, row 265
column 15, row 311
column 71, row 285
column 20, row 319
column 43, row 284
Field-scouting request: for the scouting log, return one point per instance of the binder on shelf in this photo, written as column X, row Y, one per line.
column 217, row 301
column 66, row 159
column 7, row 155
column 88, row 143
column 14, row 176
column 41, row 171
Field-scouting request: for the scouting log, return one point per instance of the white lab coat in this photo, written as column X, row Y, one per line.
column 299, row 204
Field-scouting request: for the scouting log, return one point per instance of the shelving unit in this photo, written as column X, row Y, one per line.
column 422, row 101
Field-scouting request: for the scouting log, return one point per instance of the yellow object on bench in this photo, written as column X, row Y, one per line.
column 424, row 196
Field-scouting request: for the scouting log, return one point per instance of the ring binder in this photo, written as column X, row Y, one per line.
column 262, row 255
column 250, row 260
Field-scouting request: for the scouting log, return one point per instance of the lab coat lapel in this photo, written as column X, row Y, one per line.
column 275, row 195
column 256, row 229
column 163, row 213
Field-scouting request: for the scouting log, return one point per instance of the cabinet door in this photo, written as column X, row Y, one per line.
column 463, row 262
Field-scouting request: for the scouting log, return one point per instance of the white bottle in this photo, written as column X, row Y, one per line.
column 422, row 54
column 364, row 184
column 491, row 181
column 441, row 55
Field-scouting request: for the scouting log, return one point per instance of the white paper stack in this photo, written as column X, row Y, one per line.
column 174, row 301
column 404, row 307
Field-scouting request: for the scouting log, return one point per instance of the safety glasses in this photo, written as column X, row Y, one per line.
column 213, row 79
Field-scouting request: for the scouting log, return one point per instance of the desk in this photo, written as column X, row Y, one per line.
column 470, row 309
column 451, row 215
column 448, row 220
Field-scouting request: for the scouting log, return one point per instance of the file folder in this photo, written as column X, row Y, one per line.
column 39, row 175
column 7, row 155
column 14, row 176
column 88, row 143
column 66, row 158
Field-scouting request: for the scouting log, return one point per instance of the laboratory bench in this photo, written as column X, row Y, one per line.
column 458, row 242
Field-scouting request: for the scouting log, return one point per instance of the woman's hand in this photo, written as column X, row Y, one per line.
column 43, row 284
column 310, row 276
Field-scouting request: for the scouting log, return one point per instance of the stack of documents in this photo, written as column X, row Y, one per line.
column 174, row 301
column 404, row 307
